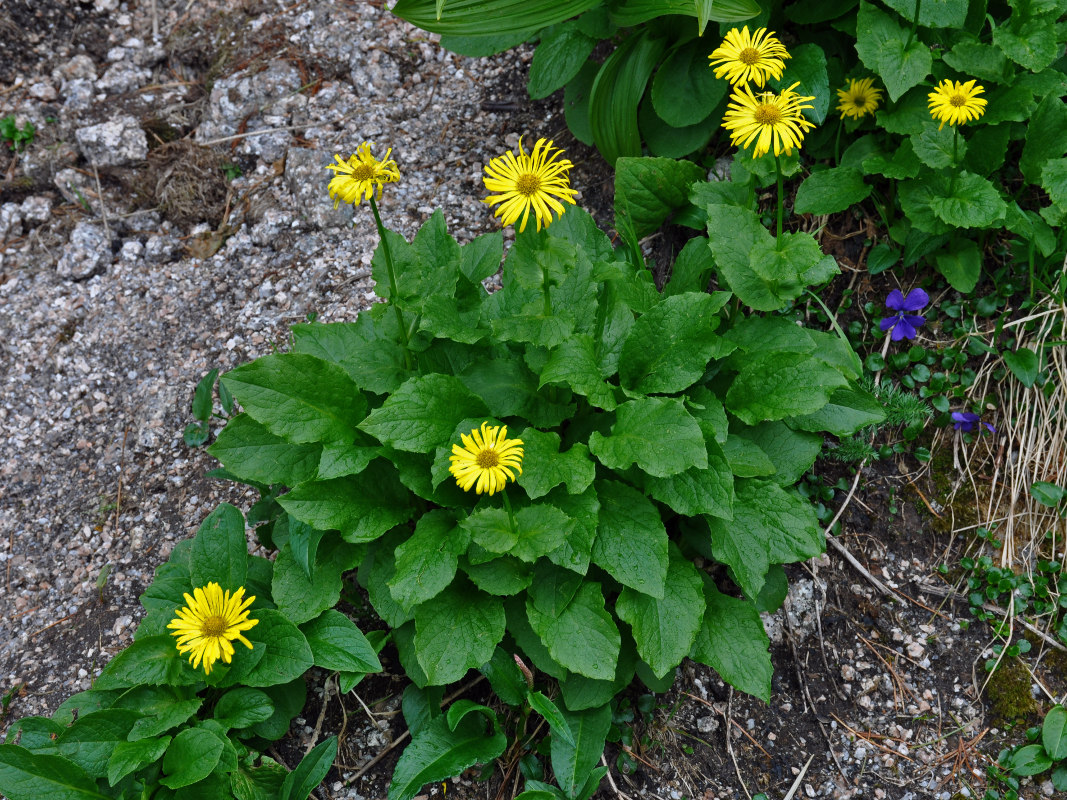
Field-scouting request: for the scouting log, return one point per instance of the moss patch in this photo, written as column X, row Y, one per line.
column 1009, row 694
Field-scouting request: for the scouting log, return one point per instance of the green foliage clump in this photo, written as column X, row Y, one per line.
column 17, row 137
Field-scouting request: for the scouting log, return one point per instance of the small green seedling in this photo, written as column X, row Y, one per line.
column 16, row 137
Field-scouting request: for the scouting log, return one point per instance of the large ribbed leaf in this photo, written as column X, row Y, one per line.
column 634, row 12
column 616, row 94
column 468, row 17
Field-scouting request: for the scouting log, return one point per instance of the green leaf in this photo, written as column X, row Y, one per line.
column 584, row 509
column 300, row 597
column 576, row 102
column 933, row 13
column 422, row 414
column 341, row 460
column 574, row 760
column 574, row 364
column 1028, row 760
column 367, row 349
column 982, row 61
column 127, row 757
column 220, row 550
column 634, row 12
column 657, row 434
column 848, row 411
column 831, row 190
column 151, row 659
column 880, row 43
column 1054, row 181
column 934, row 147
column 902, row 164
column 426, row 563
column 559, row 56
column 90, row 740
column 973, row 202
column 337, row 644
column 31, row 776
column 310, row 772
column 631, row 542
column 732, row 641
column 298, row 397
column 161, row 713
column 691, row 268
column 791, row 452
column 361, row 507
column 1046, row 137
column 457, row 631
column 202, row 396
column 664, row 629
column 243, row 707
column 191, row 756
column 502, row 576
column 480, row 258
column 669, row 347
column 553, row 716
column 288, row 699
column 698, row 491
column 286, row 655
column 807, row 66
column 1030, row 41
column 770, row 526
column 648, row 190
column 252, row 453
column 1048, row 494
column 468, row 18
column 685, row 91
column 616, row 93
column 1054, row 733
column 438, row 752
column 780, row 384
column 583, row 638
column 545, row 467
column 1024, row 365
column 961, row 264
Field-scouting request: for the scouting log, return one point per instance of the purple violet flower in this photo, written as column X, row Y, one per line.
column 901, row 324
column 966, row 420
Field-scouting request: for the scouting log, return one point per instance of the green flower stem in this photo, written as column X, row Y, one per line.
column 511, row 514
column 914, row 24
column 781, row 201
column 955, row 158
column 394, row 293
column 837, row 140
column 546, row 288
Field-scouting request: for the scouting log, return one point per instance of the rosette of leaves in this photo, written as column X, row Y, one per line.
column 652, row 86
column 151, row 725
column 658, row 429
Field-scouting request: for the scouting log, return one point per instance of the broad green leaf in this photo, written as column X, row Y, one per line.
column 361, row 507
column 974, row 59
column 422, row 414
column 1032, row 42
column 731, row 640
column 553, row 588
column 367, row 349
column 961, row 264
column 298, row 397
column 25, row 775
column 437, row 753
column 541, row 529
column 341, row 460
column 934, row 147
column 666, row 142
column 664, row 629
column 301, row 597
column 848, row 411
column 583, row 638
column 337, row 644
column 485, row 45
column 831, row 190
column 631, row 542
column 481, row 257
column 574, row 364
column 776, row 385
column 902, row 164
column 685, row 91
column 647, row 190
column 288, row 700
column 243, row 707
column 1031, row 759
column 127, row 757
column 375, row 571
column 553, row 716
column 584, row 509
column 1024, row 365
column 576, row 102
column 491, row 529
column 746, row 459
column 502, row 576
column 656, row 434
column 191, row 756
column 880, row 43
column 426, row 563
column 220, row 550
column 574, row 760
column 89, row 741
column 469, row 17
column 161, row 715
column 457, row 631
column 1054, row 181
column 1054, row 733
column 202, row 396
column 616, row 93
column 792, row 452
column 286, row 655
column 505, row 384
column 973, row 202
column 634, row 12
column 698, row 491
column 252, row 453
column 669, row 347
column 310, row 772
column 1046, row 137
column 533, row 649
column 545, row 467
column 933, row 13
column 559, row 56
column 770, row 526
column 152, row 660
column 807, row 66
column 691, row 268
column 916, row 198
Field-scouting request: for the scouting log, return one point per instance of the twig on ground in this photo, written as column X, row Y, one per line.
column 728, row 716
column 322, row 715
column 611, row 781
column 796, row 784
column 103, row 205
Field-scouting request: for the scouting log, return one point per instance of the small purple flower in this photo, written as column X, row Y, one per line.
column 966, row 420
column 901, row 324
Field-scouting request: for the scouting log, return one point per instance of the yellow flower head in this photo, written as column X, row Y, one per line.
column 956, row 103
column 362, row 176
column 486, row 459
column 210, row 620
column 538, row 181
column 742, row 57
column 772, row 120
column 859, row 99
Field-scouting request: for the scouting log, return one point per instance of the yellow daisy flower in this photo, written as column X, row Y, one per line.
column 772, row 120
column 859, row 99
column 486, row 459
column 362, row 176
column 956, row 103
column 743, row 57
column 538, row 181
column 210, row 620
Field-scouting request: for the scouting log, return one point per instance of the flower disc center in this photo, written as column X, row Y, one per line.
column 768, row 114
column 528, row 184
column 749, row 56
column 363, row 172
column 213, row 626
column 957, row 100
column 487, row 459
